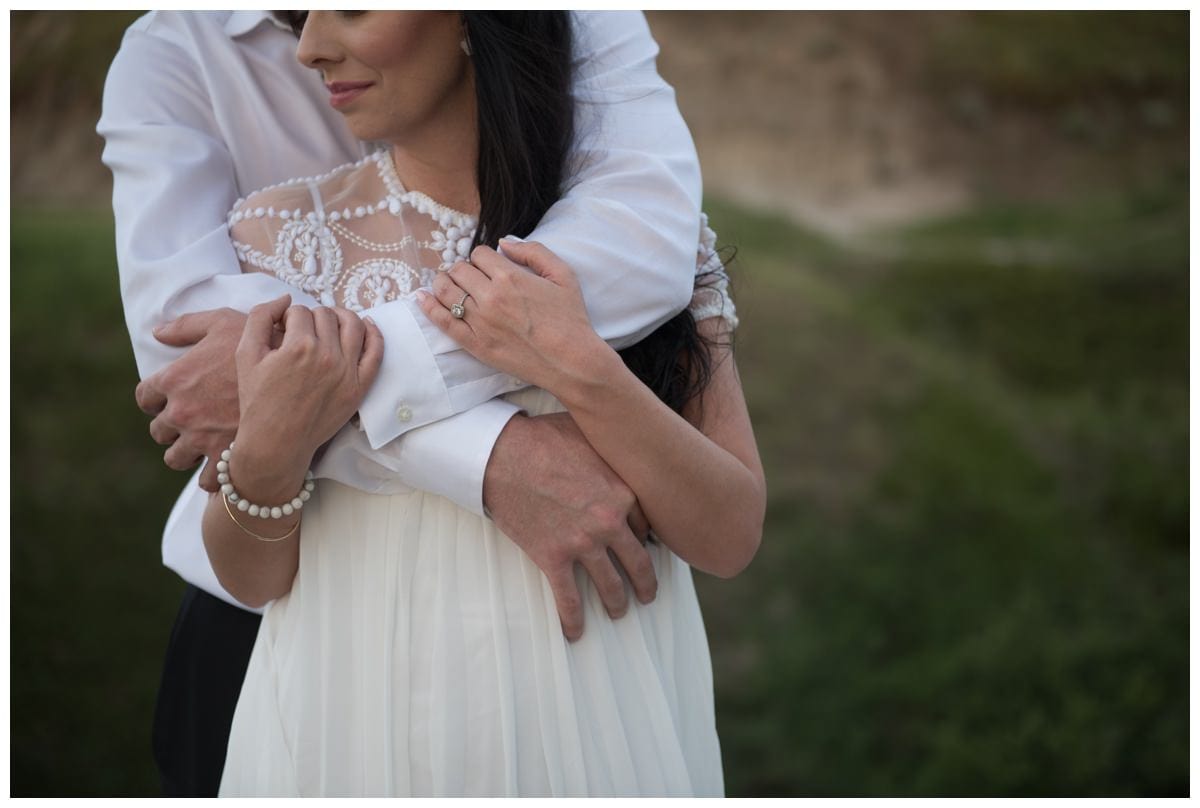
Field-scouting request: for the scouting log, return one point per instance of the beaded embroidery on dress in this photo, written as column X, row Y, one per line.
column 315, row 234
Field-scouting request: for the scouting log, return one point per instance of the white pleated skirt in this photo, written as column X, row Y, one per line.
column 420, row 653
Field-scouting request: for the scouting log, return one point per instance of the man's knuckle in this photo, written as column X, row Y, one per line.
column 582, row 544
column 608, row 518
column 171, row 414
column 560, row 557
column 169, row 377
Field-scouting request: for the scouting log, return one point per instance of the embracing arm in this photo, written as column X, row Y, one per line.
column 626, row 225
column 698, row 479
column 173, row 143
column 174, row 152
column 177, row 162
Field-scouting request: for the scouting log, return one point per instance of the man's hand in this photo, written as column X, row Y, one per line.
column 194, row 399
column 549, row 491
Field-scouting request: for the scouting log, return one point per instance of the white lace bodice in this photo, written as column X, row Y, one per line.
column 353, row 237
column 356, row 238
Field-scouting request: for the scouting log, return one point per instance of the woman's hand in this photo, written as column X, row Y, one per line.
column 301, row 375
column 523, row 314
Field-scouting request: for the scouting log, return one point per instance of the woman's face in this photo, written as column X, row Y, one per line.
column 388, row 72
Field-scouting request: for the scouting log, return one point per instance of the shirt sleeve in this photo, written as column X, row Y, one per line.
column 627, row 226
column 173, row 185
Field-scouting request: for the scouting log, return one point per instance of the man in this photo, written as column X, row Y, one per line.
column 202, row 108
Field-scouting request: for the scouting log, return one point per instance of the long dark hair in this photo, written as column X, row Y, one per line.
column 526, row 122
column 526, row 130
column 526, row 116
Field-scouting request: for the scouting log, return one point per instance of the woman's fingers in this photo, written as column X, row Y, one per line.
column 439, row 315
column 351, row 332
column 326, row 328
column 534, row 256
column 450, row 294
column 492, row 263
column 297, row 325
column 260, row 323
column 372, row 355
column 469, row 278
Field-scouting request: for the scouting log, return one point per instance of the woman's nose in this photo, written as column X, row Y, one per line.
column 317, row 48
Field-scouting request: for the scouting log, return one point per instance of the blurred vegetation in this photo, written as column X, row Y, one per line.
column 1100, row 77
column 61, row 59
column 1045, row 58
column 92, row 603
column 974, row 574
column 974, row 579
column 1040, row 58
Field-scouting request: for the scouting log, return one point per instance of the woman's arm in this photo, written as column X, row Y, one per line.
column 699, row 480
column 292, row 398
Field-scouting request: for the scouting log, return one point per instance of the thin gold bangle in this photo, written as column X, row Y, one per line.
column 229, row 511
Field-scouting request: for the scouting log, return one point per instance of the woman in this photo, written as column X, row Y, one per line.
column 410, row 648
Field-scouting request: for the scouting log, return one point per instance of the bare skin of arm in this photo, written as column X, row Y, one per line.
column 700, row 482
column 292, row 398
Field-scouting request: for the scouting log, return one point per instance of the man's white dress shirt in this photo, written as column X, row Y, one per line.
column 202, row 108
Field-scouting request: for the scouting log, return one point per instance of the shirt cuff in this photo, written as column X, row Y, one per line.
column 183, row 544
column 453, row 453
column 408, row 391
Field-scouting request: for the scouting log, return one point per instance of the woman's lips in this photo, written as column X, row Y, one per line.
column 342, row 93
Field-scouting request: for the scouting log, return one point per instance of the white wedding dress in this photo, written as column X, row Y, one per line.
column 419, row 651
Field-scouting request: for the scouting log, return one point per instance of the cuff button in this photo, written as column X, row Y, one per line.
column 404, row 413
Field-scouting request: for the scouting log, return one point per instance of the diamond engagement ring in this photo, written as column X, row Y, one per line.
column 457, row 311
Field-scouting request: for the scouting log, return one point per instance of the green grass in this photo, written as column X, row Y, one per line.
column 973, row 578
column 1044, row 59
column 92, row 604
column 974, row 574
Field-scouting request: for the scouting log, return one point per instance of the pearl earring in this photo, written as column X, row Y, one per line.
column 465, row 45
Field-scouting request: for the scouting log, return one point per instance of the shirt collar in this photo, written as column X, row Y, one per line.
column 243, row 22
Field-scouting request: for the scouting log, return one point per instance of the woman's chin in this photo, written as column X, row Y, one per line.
column 364, row 130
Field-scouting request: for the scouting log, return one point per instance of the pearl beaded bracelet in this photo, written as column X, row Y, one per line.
column 261, row 511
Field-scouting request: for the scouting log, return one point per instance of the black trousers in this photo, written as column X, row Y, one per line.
column 202, row 677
